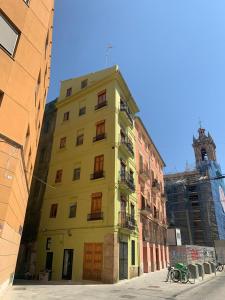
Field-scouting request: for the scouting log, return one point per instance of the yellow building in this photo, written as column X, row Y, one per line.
column 88, row 227
column 25, row 56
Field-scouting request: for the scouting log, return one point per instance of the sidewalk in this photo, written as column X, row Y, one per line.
column 148, row 286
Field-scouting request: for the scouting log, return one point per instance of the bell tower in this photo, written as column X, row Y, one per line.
column 204, row 147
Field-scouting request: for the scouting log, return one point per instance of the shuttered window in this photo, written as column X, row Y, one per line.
column 96, row 202
column 99, row 163
column 8, row 35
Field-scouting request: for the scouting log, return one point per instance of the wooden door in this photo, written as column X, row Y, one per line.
column 92, row 264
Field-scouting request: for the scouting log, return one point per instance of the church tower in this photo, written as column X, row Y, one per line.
column 204, row 147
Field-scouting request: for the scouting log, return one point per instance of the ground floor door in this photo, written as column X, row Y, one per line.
column 67, row 264
column 123, row 261
column 48, row 263
column 152, row 259
column 92, row 264
column 157, row 258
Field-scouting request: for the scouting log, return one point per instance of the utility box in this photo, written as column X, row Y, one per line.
column 220, row 251
column 173, row 237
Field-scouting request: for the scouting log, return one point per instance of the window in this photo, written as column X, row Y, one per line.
column 102, row 97
column 101, row 100
column 80, row 139
column 133, row 252
column 66, row 116
column 53, row 210
column 76, row 174
column 72, row 210
column 100, row 131
column 82, row 111
column 83, row 83
column 1, row 97
column 58, row 177
column 69, row 92
column 96, row 202
column 62, row 143
column 48, row 243
column 8, row 35
column 98, row 167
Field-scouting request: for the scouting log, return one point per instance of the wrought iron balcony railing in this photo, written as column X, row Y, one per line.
column 95, row 216
column 128, row 180
column 97, row 175
column 99, row 137
column 124, row 108
column 128, row 144
column 100, row 105
column 127, row 221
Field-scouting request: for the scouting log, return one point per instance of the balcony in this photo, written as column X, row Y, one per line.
column 144, row 173
column 127, row 146
column 127, row 221
column 155, row 186
column 95, row 216
column 127, row 182
column 97, row 175
column 126, row 113
column 100, row 105
column 145, row 207
column 99, row 137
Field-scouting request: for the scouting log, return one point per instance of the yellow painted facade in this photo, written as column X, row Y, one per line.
column 116, row 235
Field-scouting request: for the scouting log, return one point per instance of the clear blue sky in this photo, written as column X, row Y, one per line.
column 170, row 52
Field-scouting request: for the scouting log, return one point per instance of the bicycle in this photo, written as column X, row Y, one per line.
column 182, row 274
column 219, row 267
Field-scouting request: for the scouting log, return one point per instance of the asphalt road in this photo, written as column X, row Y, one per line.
column 211, row 290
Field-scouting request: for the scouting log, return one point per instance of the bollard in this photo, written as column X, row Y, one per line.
column 213, row 267
column 193, row 269
column 207, row 268
column 201, row 271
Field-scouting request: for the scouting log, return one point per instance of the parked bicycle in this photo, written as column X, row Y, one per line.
column 219, row 266
column 179, row 273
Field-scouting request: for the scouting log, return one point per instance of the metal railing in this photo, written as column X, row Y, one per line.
column 99, row 137
column 100, row 105
column 127, row 221
column 95, row 216
column 96, row 175
column 128, row 180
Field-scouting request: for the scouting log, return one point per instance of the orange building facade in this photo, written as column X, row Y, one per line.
column 25, row 55
column 151, row 202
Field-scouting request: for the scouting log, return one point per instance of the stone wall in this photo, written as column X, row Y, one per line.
column 190, row 254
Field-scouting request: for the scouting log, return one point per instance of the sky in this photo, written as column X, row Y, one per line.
column 171, row 54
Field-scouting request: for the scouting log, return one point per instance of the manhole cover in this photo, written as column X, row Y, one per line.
column 127, row 297
column 19, row 289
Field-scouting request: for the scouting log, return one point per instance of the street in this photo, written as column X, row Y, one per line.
column 149, row 286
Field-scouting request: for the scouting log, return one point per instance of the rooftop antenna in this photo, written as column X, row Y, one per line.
column 107, row 55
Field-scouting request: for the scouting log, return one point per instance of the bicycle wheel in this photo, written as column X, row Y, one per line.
column 175, row 275
column 185, row 277
column 219, row 268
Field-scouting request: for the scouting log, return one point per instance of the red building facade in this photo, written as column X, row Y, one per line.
column 151, row 202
